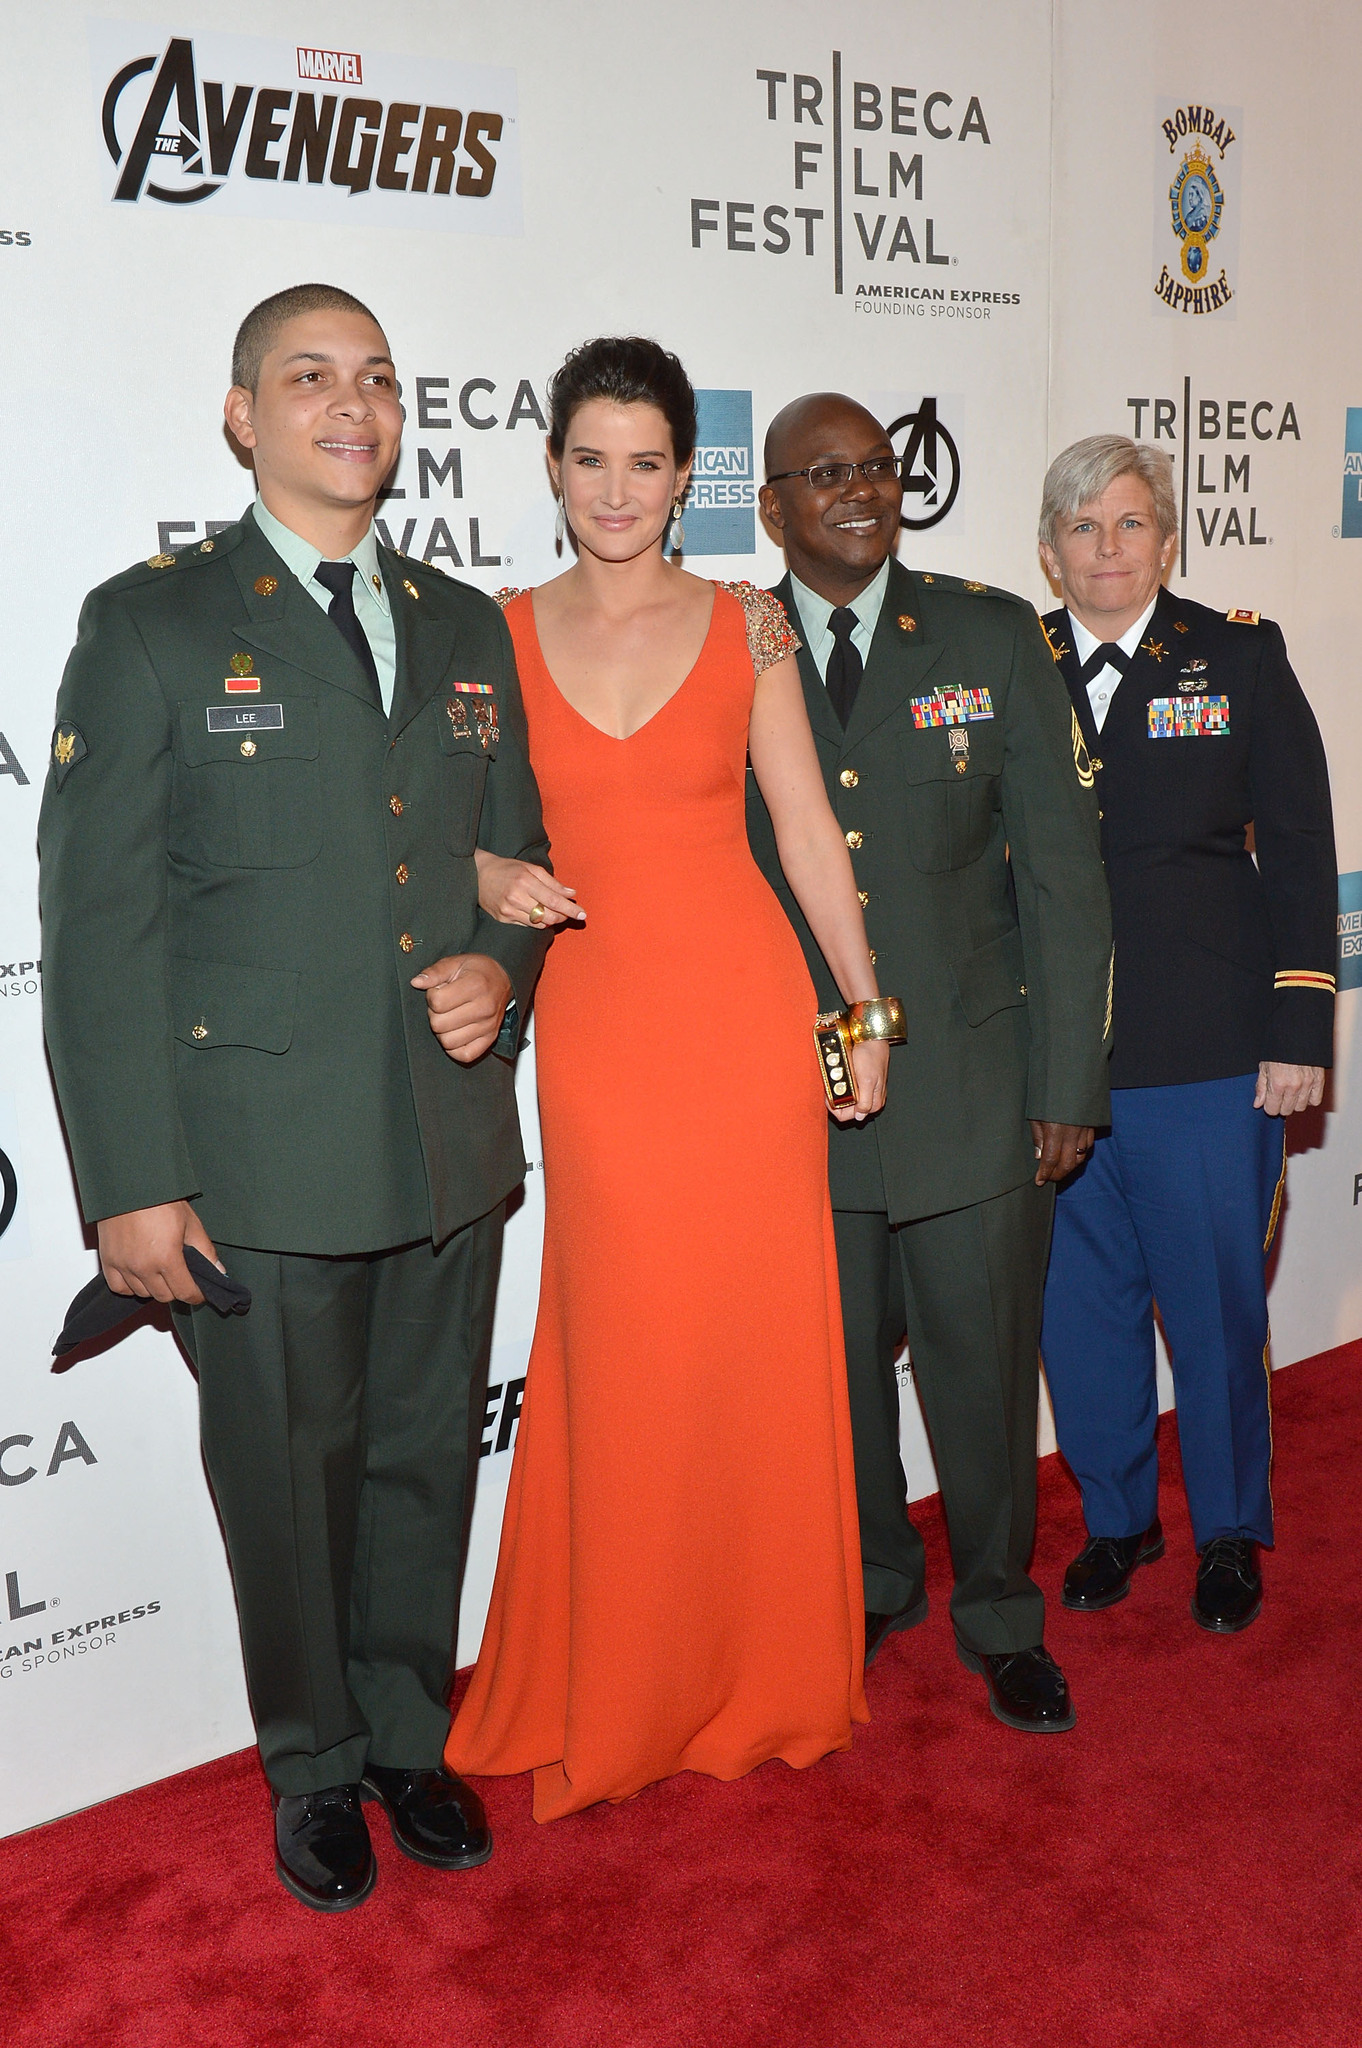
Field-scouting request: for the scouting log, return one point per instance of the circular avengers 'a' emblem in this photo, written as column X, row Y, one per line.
column 931, row 466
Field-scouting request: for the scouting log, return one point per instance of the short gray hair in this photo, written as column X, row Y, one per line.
column 1087, row 468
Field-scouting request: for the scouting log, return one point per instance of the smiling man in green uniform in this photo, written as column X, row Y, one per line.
column 283, row 1034
column 949, row 755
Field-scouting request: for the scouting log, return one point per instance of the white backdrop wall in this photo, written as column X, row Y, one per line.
column 791, row 196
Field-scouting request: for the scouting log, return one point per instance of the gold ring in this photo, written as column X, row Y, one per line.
column 536, row 913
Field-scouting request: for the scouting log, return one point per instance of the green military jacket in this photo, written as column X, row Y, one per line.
column 966, row 798
column 238, row 885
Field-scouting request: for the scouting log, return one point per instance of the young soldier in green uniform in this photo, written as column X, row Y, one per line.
column 948, row 750
column 282, row 1033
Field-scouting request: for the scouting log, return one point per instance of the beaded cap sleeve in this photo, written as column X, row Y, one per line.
column 770, row 636
column 507, row 595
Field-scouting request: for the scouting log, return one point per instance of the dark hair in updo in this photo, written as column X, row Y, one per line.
column 624, row 370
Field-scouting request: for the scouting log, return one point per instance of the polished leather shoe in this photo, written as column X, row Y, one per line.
column 1026, row 1688
column 322, row 1850
column 1229, row 1586
column 435, row 1817
column 1100, row 1574
column 879, row 1626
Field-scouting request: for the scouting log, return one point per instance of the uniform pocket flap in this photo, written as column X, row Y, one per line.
column 283, row 730
column 991, row 978
column 214, row 1002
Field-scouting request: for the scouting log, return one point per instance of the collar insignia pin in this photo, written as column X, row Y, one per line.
column 265, row 586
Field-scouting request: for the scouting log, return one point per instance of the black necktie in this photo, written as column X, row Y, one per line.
column 339, row 579
column 845, row 667
column 1107, row 654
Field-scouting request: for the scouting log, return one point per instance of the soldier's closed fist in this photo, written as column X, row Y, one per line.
column 466, row 999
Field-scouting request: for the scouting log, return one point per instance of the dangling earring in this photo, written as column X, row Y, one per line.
column 560, row 527
column 677, row 536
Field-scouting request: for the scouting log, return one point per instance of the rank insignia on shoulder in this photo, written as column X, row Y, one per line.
column 1181, row 626
column 1242, row 618
column 160, row 561
column 68, row 747
column 976, row 587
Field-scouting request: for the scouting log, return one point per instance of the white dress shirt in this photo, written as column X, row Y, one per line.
column 1102, row 688
column 371, row 598
column 815, row 612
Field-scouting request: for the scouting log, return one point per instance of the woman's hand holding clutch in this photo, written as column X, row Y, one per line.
column 518, row 892
column 870, row 1064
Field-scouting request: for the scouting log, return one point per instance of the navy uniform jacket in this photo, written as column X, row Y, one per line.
column 975, row 847
column 232, row 916
column 1219, row 963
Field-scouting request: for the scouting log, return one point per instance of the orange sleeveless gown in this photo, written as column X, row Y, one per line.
column 679, row 1580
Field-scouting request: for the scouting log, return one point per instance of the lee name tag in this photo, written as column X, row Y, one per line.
column 245, row 718
column 1188, row 718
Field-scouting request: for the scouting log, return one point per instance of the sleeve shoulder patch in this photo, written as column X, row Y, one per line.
column 68, row 747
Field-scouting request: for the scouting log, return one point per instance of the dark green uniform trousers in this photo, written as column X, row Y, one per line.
column 341, row 1420
column 966, row 1288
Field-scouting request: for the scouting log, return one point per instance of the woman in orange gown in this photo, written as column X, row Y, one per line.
column 679, row 1580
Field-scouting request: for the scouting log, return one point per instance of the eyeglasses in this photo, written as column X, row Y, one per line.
column 823, row 476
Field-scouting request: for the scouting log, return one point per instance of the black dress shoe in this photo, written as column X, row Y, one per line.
column 878, row 1626
column 435, row 1817
column 1229, row 1586
column 1026, row 1688
column 1100, row 1574
column 321, row 1848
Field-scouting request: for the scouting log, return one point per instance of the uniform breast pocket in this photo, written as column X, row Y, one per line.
column 466, row 748
column 951, row 817
column 249, row 795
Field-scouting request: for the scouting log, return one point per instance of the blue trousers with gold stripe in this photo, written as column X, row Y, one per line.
column 1176, row 1205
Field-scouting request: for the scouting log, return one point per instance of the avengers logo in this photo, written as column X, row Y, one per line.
column 178, row 142
column 931, row 466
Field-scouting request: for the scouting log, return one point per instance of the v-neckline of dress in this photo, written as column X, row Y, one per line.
column 622, row 739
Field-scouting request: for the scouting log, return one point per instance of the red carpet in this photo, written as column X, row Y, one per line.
column 1185, row 1868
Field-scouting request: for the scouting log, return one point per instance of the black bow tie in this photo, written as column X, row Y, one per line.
column 1108, row 654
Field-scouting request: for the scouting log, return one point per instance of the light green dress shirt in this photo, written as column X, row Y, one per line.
column 815, row 612
column 372, row 608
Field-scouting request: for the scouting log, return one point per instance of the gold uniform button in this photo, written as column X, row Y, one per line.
column 1022, row 990
column 406, row 942
column 863, row 897
column 873, row 956
column 848, row 778
column 395, row 806
column 1097, row 767
column 402, row 873
column 199, row 1031
column 248, row 748
column 855, row 839
column 205, row 547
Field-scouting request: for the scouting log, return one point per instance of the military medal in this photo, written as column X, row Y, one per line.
column 1183, row 718
column 959, row 744
column 489, row 732
column 951, row 707
column 458, row 718
column 241, row 683
column 1194, row 677
column 484, row 712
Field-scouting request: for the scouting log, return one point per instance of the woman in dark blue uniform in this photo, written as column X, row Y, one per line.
column 1201, row 744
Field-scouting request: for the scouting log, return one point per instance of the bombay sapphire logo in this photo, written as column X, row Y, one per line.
column 721, row 506
column 1351, row 528
column 1196, row 201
